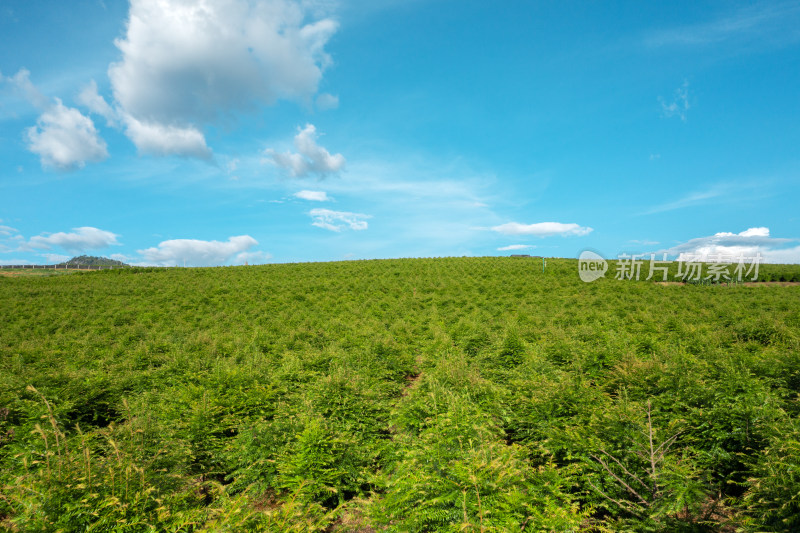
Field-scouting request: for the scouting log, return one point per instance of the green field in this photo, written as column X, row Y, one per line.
column 474, row 394
column 15, row 272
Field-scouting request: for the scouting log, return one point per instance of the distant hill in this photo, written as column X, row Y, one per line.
column 90, row 260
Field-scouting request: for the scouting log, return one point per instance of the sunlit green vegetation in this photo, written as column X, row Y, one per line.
column 475, row 394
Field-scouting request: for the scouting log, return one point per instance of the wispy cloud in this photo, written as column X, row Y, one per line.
column 313, row 196
column 679, row 106
column 6, row 231
column 692, row 199
column 338, row 220
column 327, row 101
column 773, row 22
column 721, row 192
column 512, row 247
column 542, row 229
column 252, row 258
column 55, row 258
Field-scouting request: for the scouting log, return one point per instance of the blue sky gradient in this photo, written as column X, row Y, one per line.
column 215, row 133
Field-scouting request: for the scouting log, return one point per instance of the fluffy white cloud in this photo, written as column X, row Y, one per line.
column 150, row 137
column 193, row 252
column 542, row 229
column 80, row 240
column 516, row 247
column 313, row 196
column 310, row 157
column 185, row 64
column 65, row 139
column 726, row 246
column 338, row 220
column 153, row 138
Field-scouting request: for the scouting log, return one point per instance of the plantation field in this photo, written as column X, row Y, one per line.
column 464, row 394
column 16, row 272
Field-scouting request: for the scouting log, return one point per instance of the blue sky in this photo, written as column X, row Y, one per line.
column 206, row 133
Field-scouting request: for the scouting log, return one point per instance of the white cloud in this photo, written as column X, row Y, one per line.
column 783, row 256
column 10, row 240
column 726, row 246
column 192, row 252
column 327, row 101
column 427, row 204
column 90, row 99
column 186, row 64
column 310, row 157
column 691, row 199
column 750, row 232
column 338, row 220
column 516, row 247
column 725, row 192
column 153, row 138
column 55, row 258
column 22, row 81
column 65, row 139
column 542, row 229
column 679, row 106
column 120, row 257
column 758, row 24
column 252, row 258
column 6, row 231
column 80, row 240
column 313, row 196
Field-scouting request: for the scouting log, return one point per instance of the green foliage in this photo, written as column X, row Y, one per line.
column 641, row 472
column 90, row 260
column 459, row 475
column 406, row 395
column 773, row 496
column 318, row 466
column 111, row 478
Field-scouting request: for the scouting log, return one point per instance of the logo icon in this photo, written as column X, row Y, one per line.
column 591, row 266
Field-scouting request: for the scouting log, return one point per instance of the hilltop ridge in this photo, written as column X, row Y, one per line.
column 90, row 260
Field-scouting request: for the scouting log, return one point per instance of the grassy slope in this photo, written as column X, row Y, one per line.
column 422, row 394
